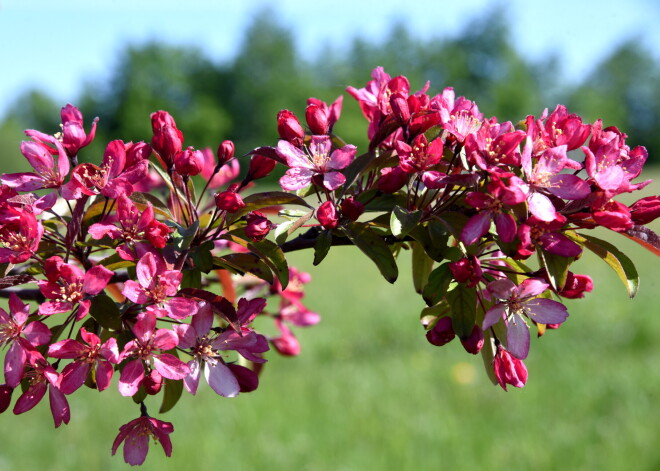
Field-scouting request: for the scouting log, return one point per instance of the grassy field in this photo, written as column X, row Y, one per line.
column 369, row 393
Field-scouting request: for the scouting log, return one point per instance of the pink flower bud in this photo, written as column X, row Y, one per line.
column 576, row 286
column 260, row 166
column 229, row 201
column 189, row 162
column 157, row 233
column 467, row 270
column 167, row 139
column 286, row 344
column 289, row 128
column 225, row 152
column 441, row 333
column 153, row 383
column 475, row 342
column 645, row 210
column 508, row 369
column 317, row 118
column 327, row 215
column 352, row 208
column 258, row 226
column 614, row 215
column 73, row 134
column 399, row 104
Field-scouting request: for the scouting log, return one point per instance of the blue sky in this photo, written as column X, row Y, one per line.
column 58, row 45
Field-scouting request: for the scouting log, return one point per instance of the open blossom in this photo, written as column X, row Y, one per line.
column 20, row 238
column 314, row 162
column 516, row 302
column 21, row 337
column 136, row 436
column 67, row 286
column 85, row 355
column 145, row 352
column 157, row 285
column 42, row 377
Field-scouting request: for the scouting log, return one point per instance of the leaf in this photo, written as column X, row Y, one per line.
column 620, row 263
column 556, row 266
column 184, row 235
column 115, row 262
column 172, row 393
column 192, row 278
column 434, row 250
column 322, row 246
column 453, row 222
column 105, row 311
column 159, row 207
column 437, row 284
column 403, row 221
column 374, row 247
column 430, row 314
column 422, row 265
column 488, row 352
column 354, row 169
column 644, row 237
column 463, row 302
column 245, row 262
column 281, row 234
column 258, row 201
column 202, row 256
column 269, row 252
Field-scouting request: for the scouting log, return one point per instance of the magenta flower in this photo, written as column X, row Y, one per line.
column 41, row 376
column 20, row 238
column 73, row 133
column 156, row 284
column 419, row 156
column 85, row 357
column 22, row 338
column 67, row 286
column 519, row 301
column 136, row 435
column 509, row 369
column 134, row 226
column 315, row 162
column 145, row 351
column 40, row 156
column 547, row 236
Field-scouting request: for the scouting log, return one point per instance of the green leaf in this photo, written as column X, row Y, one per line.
column 431, row 314
column 488, row 352
column 453, row 222
column 322, row 246
column 202, row 256
column 172, row 394
column 184, row 235
column 159, row 206
column 422, row 265
column 281, row 234
column 437, row 284
column 374, row 247
column 105, row 311
column 354, row 169
column 403, row 221
column 258, row 201
column 463, row 302
column 556, row 266
column 245, row 263
column 620, row 263
column 435, row 250
column 115, row 262
column 192, row 278
column 267, row 251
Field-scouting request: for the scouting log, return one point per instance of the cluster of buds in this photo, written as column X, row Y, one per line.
column 136, row 275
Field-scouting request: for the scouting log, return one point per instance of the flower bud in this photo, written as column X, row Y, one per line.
column 327, row 215
column 317, row 118
column 475, row 342
column 229, row 201
column 153, row 382
column 258, row 226
column 441, row 333
column 225, row 152
column 286, row 344
column 576, row 285
column 289, row 128
column 73, row 133
column 260, row 166
column 508, row 369
column 645, row 210
column 167, row 139
column 190, row 162
column 467, row 270
column 352, row 208
column 399, row 104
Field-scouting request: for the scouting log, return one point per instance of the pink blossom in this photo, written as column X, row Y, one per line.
column 509, row 369
column 73, row 133
column 258, row 226
column 144, row 349
column 327, row 215
column 20, row 238
column 519, row 301
column 136, row 435
column 314, row 162
column 21, row 336
column 535, row 233
column 85, row 356
column 157, row 285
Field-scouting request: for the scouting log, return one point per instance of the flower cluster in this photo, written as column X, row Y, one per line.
column 140, row 279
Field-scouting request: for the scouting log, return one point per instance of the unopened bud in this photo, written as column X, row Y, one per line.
column 225, row 152
column 229, row 201
column 327, row 215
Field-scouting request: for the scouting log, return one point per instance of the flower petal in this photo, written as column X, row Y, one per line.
column 221, row 379
column 517, row 337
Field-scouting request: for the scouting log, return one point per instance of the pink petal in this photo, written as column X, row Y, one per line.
column 23, row 181
column 170, row 366
column 54, row 307
column 147, row 269
column 333, row 180
column 541, row 207
column 37, row 333
column 506, row 227
column 165, row 339
column 501, row 289
column 476, row 227
column 15, row 364
column 180, row 308
column 531, row 287
column 30, row 398
column 187, row 335
column 136, row 293
column 136, row 447
column 96, row 279
column 73, row 376
column 294, row 157
column 104, row 372
column 517, row 337
column 131, row 377
column 68, row 348
column 493, row 315
column 296, row 178
column 570, row 187
column 109, row 350
column 144, row 327
column 99, row 230
column 203, row 320
column 191, row 382
column 341, row 158
column 546, row 311
column 221, row 379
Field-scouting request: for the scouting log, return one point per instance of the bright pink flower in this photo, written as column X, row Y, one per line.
column 519, row 301
column 419, row 156
column 167, row 140
column 467, row 270
column 67, row 286
column 314, row 163
column 85, row 356
column 546, row 235
column 189, row 162
column 495, row 146
column 576, row 285
column 40, row 156
column 260, row 167
column 509, row 369
column 286, row 343
column 157, row 285
column 41, row 376
column 459, row 116
column 144, row 349
column 613, row 215
column 136, row 435
column 20, row 238
column 73, row 133
column 22, row 338
column 134, row 226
